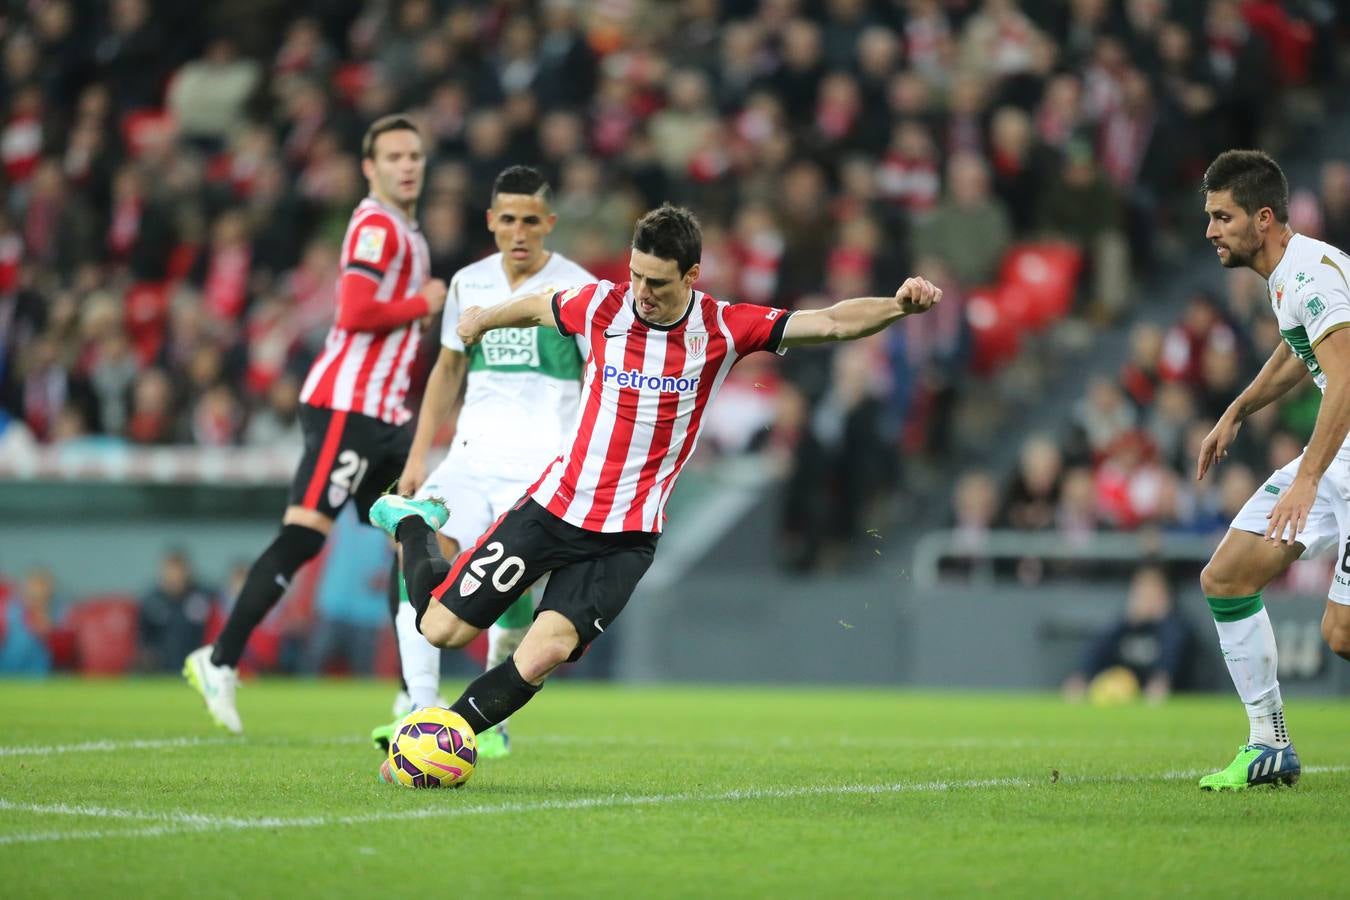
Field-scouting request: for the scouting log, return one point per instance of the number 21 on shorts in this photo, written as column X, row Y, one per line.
column 345, row 479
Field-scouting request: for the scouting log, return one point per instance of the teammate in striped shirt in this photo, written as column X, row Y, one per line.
column 352, row 411
column 659, row 352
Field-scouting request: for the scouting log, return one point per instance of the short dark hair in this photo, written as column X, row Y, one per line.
column 1254, row 179
column 670, row 232
column 521, row 180
column 383, row 125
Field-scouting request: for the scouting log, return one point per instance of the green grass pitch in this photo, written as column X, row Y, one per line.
column 116, row 789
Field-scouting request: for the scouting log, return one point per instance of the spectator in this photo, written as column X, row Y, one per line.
column 1151, row 640
column 173, row 615
column 687, row 122
column 1020, row 166
column 975, row 506
column 999, row 40
column 1100, row 418
column 1033, row 497
column 1077, row 517
column 1140, row 375
column 909, row 175
column 207, row 96
column 1335, row 197
column 970, row 231
column 1167, row 420
column 1085, row 208
column 26, row 619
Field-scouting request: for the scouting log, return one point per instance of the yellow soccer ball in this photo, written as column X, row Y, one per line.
column 433, row 748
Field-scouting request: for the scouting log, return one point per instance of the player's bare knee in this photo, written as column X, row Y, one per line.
column 1219, row 580
column 1338, row 639
column 542, row 657
column 446, row 630
column 1211, row 580
column 436, row 631
column 1337, row 635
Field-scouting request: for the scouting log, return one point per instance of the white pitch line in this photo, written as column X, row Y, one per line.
column 103, row 812
column 172, row 823
column 111, row 746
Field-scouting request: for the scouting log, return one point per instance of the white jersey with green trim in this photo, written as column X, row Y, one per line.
column 524, row 384
column 1310, row 293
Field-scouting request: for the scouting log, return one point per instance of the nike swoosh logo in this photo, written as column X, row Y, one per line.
column 598, row 626
column 208, row 688
column 615, row 334
column 283, row 583
column 476, row 709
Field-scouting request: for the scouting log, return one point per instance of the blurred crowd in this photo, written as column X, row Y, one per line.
column 1127, row 460
column 334, row 620
column 177, row 178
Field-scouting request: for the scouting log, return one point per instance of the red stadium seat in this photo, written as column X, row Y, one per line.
column 1019, row 304
column 996, row 337
column 1049, row 271
column 105, row 629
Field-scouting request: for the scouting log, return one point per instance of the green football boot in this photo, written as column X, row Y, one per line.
column 494, row 743
column 1256, row 764
column 390, row 509
column 383, row 735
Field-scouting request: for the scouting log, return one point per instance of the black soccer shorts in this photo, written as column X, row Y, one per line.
column 348, row 456
column 593, row 573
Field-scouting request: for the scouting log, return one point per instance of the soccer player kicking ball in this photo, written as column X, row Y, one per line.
column 519, row 407
column 352, row 411
column 1304, row 508
column 660, row 351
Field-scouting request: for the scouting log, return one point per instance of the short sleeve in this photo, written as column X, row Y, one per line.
column 371, row 247
column 755, row 327
column 1321, row 300
column 573, row 309
column 450, row 318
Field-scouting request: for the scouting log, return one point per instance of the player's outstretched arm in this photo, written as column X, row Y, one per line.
column 849, row 320
column 1281, row 374
column 443, row 386
column 522, row 312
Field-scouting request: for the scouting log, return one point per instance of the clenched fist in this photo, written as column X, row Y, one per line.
column 918, row 295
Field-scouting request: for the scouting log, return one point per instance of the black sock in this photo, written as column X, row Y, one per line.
column 267, row 580
column 394, row 596
column 423, row 565
column 493, row 696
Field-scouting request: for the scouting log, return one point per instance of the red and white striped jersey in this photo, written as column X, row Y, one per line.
column 364, row 366
column 644, row 394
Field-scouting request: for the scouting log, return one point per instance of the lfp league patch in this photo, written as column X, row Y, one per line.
column 369, row 244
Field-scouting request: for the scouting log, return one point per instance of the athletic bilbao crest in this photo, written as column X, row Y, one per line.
column 468, row 584
column 337, row 495
column 695, row 344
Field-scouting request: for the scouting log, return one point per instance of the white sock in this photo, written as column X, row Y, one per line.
column 1268, row 728
column 502, row 642
column 421, row 659
column 1249, row 650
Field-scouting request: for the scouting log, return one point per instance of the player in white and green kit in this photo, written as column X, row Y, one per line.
column 1304, row 508
column 521, row 401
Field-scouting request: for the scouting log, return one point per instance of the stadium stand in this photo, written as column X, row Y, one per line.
column 175, row 184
